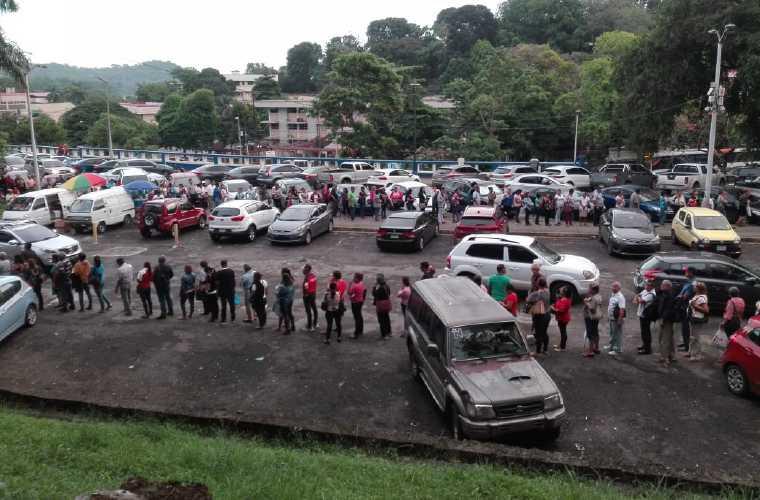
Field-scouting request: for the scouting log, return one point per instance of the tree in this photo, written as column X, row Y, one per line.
column 153, row 92
column 616, row 15
column 169, row 131
column 559, row 23
column 198, row 120
column 615, row 44
column 259, row 69
column 46, row 131
column 12, row 58
column 207, row 78
column 266, row 88
column 126, row 131
column 228, row 126
column 302, row 73
column 461, row 27
column 360, row 101
column 77, row 121
column 340, row 45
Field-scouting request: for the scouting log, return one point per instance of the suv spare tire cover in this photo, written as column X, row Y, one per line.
column 150, row 220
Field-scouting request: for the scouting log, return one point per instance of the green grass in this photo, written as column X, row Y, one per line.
column 45, row 458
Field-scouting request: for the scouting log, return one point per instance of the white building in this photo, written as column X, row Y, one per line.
column 244, row 85
column 289, row 120
column 147, row 111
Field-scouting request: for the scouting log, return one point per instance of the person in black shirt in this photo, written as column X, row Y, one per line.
column 162, row 275
column 668, row 313
column 259, row 298
column 381, row 295
column 225, row 285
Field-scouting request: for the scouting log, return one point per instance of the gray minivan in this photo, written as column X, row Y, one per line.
column 470, row 354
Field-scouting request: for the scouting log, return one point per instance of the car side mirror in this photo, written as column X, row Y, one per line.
column 752, row 280
column 14, row 243
column 432, row 350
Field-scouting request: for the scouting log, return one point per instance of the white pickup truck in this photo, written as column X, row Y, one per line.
column 689, row 176
column 349, row 172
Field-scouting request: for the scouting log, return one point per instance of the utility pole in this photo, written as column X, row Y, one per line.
column 108, row 116
column 31, row 128
column 240, row 137
column 575, row 147
column 414, row 86
column 715, row 105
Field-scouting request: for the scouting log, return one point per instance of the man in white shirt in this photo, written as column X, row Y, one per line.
column 559, row 204
column 616, row 315
column 646, row 300
column 125, row 275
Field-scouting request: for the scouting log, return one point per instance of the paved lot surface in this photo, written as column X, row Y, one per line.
column 629, row 412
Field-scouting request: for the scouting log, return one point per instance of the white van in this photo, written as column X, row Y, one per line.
column 43, row 206
column 101, row 208
column 186, row 179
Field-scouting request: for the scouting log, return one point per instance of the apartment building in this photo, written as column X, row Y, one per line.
column 289, row 120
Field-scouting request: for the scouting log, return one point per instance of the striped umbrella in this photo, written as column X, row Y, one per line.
column 83, row 182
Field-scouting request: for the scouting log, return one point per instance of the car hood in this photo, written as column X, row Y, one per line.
column 574, row 264
column 287, row 225
column 496, row 381
column 59, row 242
column 720, row 235
column 632, row 233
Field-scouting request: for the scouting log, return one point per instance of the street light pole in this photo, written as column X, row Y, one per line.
column 414, row 86
column 240, row 136
column 575, row 147
column 31, row 128
column 108, row 116
column 715, row 106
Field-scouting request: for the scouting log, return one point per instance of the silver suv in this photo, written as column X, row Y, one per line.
column 479, row 254
column 469, row 352
column 45, row 243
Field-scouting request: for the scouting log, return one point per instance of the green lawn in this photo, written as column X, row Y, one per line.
column 56, row 459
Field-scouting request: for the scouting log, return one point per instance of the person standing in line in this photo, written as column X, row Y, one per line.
column 98, row 281
column 208, row 287
column 340, row 283
column 535, row 275
column 733, row 312
column 82, row 272
column 381, row 298
column 635, row 201
column 258, row 297
column 685, row 295
column 225, row 287
column 162, row 276
column 559, row 204
column 592, row 313
column 616, row 315
column 285, row 293
column 361, row 202
column 434, row 205
column 309, row 291
column 561, row 310
column 124, row 277
column 331, row 304
column 403, row 295
column 187, row 283
column 491, row 197
column 246, row 281
column 597, row 203
column 35, row 278
column 357, row 294
column 511, row 301
column 61, row 273
column 698, row 315
column 5, row 264
column 517, row 203
column 662, row 204
column 548, row 208
column 529, row 206
column 646, row 301
column 441, row 204
column 498, row 283
column 668, row 313
column 584, row 208
column 144, row 278
column 351, row 199
column 568, row 209
column 537, row 304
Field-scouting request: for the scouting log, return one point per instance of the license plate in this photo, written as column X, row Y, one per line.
column 394, row 236
column 721, row 248
column 227, row 230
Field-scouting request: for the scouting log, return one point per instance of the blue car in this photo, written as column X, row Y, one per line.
column 649, row 200
column 18, row 305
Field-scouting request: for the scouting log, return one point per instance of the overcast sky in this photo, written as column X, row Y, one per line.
column 225, row 34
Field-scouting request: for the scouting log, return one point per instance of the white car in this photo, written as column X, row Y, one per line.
column 689, row 176
column 45, row 243
column 236, row 188
column 507, row 173
column 388, row 176
column 479, row 254
column 530, row 181
column 570, row 174
column 240, row 218
column 125, row 175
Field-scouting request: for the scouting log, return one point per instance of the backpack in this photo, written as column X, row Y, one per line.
column 652, row 311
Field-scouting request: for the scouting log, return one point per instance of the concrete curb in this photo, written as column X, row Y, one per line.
column 418, row 446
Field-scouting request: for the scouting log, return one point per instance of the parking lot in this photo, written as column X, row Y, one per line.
column 629, row 412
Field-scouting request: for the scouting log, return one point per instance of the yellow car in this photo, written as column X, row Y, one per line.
column 705, row 229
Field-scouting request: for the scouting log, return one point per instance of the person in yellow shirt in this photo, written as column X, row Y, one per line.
column 81, row 282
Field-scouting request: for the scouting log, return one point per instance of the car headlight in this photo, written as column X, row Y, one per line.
column 737, row 241
column 48, row 251
column 303, row 228
column 553, row 402
column 482, row 411
column 587, row 275
column 656, row 237
column 706, row 241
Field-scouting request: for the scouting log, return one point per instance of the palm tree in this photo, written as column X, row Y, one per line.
column 12, row 59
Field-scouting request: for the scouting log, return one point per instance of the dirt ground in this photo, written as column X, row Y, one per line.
column 629, row 412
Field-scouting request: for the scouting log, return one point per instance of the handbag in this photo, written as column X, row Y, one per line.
column 383, row 305
column 720, row 338
column 324, row 305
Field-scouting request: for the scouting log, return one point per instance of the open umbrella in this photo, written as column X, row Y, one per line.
column 140, row 185
column 83, row 182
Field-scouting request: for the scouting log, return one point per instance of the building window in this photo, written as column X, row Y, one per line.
column 274, row 126
column 292, row 110
column 274, row 110
column 292, row 126
column 302, row 126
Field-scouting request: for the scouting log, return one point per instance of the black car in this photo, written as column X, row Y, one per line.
column 628, row 231
column 411, row 230
column 717, row 272
column 744, row 174
column 732, row 202
column 269, row 174
column 213, row 172
column 249, row 174
column 86, row 164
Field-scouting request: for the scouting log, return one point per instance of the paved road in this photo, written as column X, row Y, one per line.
column 629, row 412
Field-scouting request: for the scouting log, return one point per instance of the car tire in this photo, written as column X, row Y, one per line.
column 202, row 222
column 345, row 181
column 127, row 220
column 421, row 243
column 149, row 220
column 215, row 237
column 251, row 233
column 101, row 227
column 557, row 285
column 30, row 316
column 695, row 185
column 307, row 238
column 455, row 425
column 552, row 435
column 721, row 183
column 330, row 226
column 736, row 380
column 145, row 233
column 673, row 238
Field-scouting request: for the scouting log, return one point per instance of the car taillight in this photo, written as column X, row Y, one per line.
column 448, row 261
column 382, row 232
column 383, row 178
column 211, row 217
column 237, row 218
column 407, row 234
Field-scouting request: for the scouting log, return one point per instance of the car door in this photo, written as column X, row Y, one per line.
column 11, row 308
column 725, row 276
column 580, row 176
column 519, row 259
column 688, row 226
column 485, row 257
column 751, row 348
column 678, row 226
column 423, row 228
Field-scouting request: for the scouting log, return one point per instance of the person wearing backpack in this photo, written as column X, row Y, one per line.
column 733, row 313
column 258, row 294
column 592, row 313
column 668, row 312
column 698, row 315
column 647, row 313
column 616, row 315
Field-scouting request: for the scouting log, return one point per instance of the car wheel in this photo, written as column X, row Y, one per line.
column 571, row 183
column 30, row 316
column 557, row 286
column 695, row 185
column 413, row 364
column 215, row 237
column 455, row 426
column 101, row 227
column 345, row 181
column 722, row 182
column 145, row 233
column 127, row 220
column 673, row 238
column 202, row 222
column 251, row 234
column 307, row 238
column 149, row 220
column 552, row 434
column 736, row 380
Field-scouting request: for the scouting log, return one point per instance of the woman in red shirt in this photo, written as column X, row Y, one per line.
column 561, row 310
column 144, row 280
column 511, row 300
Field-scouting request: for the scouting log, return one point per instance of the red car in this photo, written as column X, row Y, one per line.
column 741, row 361
column 162, row 215
column 478, row 220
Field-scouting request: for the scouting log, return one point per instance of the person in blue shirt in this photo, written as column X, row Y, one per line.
column 685, row 295
column 663, row 205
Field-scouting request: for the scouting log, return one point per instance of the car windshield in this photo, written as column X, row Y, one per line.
column 32, row 234
column 21, row 204
column 477, row 221
column 630, row 221
column 545, row 252
column 711, row 223
column 490, row 340
column 225, row 212
column 81, row 206
column 296, row 213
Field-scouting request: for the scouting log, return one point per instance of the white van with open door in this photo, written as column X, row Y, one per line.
column 43, row 206
column 101, row 209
